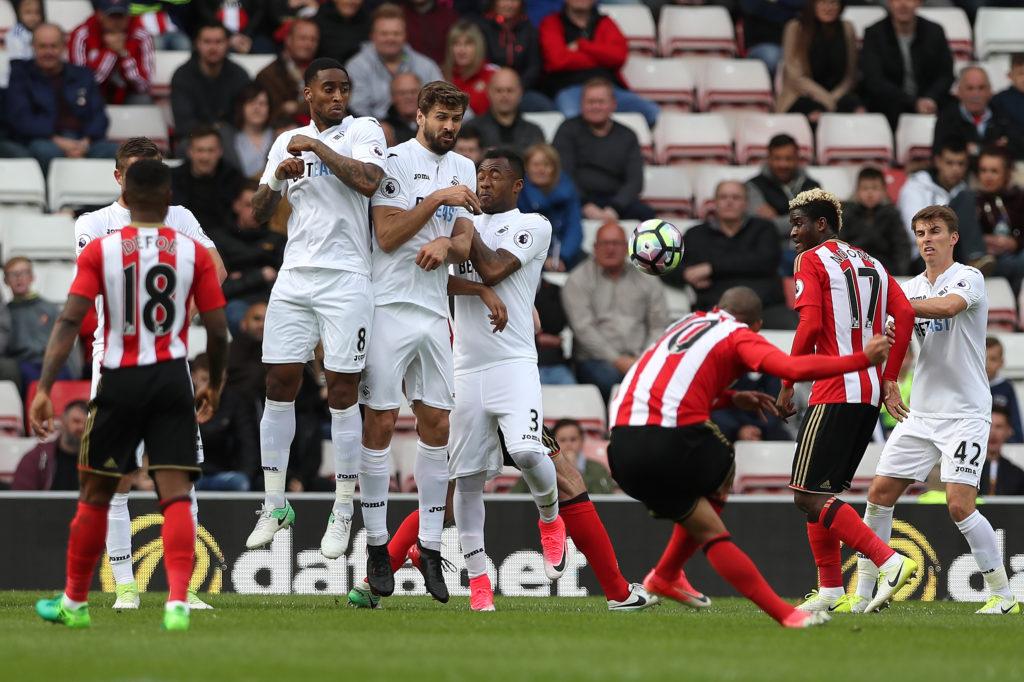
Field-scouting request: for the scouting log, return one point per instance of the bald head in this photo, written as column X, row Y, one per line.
column 505, row 92
column 742, row 303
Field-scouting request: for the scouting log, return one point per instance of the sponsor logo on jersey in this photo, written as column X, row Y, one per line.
column 389, row 188
column 523, row 239
column 420, row 176
column 799, row 289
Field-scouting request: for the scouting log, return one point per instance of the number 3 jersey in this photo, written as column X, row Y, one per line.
column 147, row 276
column 526, row 236
column 952, row 383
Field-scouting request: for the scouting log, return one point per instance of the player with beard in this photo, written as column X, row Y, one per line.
column 329, row 170
column 421, row 221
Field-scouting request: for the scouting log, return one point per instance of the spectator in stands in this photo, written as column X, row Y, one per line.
column 465, row 65
column 400, row 123
column 166, row 21
column 551, row 322
column 1003, row 392
column 283, row 78
column 734, row 249
column 943, row 184
column 872, row 223
column 282, row 13
column 381, row 59
column 244, row 20
column 469, row 144
column 249, row 137
column 603, row 158
column 737, row 424
column 549, row 191
column 246, row 375
column 230, row 437
column 252, row 256
column 972, row 118
column 1001, row 213
column 819, row 56
column 596, row 477
column 18, row 41
column 429, row 23
column 205, row 184
column 32, row 319
column 1011, row 100
column 205, row 88
column 905, row 63
column 118, row 49
column 344, row 26
column 503, row 125
column 763, row 25
column 614, row 310
column 512, row 42
column 1000, row 476
column 580, row 44
column 53, row 465
column 54, row 107
column 782, row 177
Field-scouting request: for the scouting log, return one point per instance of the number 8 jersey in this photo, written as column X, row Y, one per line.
column 147, row 277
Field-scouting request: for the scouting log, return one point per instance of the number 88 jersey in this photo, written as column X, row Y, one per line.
column 147, row 277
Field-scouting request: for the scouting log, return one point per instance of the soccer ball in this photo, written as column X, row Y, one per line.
column 656, row 247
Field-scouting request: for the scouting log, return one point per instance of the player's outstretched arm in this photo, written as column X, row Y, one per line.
column 492, row 266
column 464, row 287
column 761, row 356
column 362, row 177
column 62, row 340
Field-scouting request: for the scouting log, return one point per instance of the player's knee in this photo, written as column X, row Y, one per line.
column 884, row 491
column 283, row 383
column 528, row 459
column 342, row 390
column 809, row 504
column 95, row 489
column 378, row 428
column 433, row 426
column 960, row 509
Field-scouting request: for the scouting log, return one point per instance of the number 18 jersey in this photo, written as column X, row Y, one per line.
column 147, row 276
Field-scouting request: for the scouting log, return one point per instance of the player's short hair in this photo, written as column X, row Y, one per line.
column 781, row 140
column 135, row 148
column 956, row 144
column 215, row 25
column 14, row 261
column 998, row 152
column 819, row 203
column 388, row 10
column 1016, row 59
column 868, row 173
column 77, row 405
column 199, row 363
column 514, row 160
column 202, row 130
column 549, row 152
column 441, row 94
column 993, row 342
column 930, row 214
column 320, row 64
column 743, row 303
column 146, row 178
column 567, row 421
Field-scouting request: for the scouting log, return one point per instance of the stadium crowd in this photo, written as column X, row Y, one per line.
column 520, row 61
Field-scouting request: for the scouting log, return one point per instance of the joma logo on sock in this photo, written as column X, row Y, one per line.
column 473, row 553
column 126, row 557
column 370, row 505
column 436, row 509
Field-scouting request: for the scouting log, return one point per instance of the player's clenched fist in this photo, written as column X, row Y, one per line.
column 289, row 169
column 877, row 349
column 433, row 254
column 459, row 195
column 302, row 143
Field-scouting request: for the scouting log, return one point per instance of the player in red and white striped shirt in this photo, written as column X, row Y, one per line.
column 844, row 296
column 148, row 275
column 666, row 452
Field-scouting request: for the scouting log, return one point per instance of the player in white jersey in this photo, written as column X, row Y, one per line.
column 96, row 225
column 421, row 220
column 950, row 408
column 329, row 170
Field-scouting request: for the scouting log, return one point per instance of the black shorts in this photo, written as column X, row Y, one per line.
column 154, row 403
column 830, row 446
column 670, row 469
column 547, row 440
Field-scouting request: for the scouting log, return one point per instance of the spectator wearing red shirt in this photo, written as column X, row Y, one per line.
column 579, row 44
column 464, row 64
column 118, row 49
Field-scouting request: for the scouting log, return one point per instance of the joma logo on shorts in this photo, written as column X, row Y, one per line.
column 530, row 437
column 359, row 357
column 966, row 470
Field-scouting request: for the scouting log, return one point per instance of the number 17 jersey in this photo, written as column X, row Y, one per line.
column 147, row 277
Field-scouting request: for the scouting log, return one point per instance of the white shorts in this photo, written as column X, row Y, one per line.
column 411, row 344
column 917, row 443
column 308, row 305
column 97, row 358
column 505, row 397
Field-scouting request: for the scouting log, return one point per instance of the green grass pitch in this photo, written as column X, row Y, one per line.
column 414, row 639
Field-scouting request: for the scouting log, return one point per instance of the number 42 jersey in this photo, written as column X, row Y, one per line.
column 147, row 277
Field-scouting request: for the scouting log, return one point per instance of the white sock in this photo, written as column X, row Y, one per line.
column 879, row 520
column 539, row 473
column 119, row 539
column 194, row 508
column 469, row 517
column 71, row 603
column 171, row 605
column 985, row 548
column 277, row 429
column 431, row 474
column 374, row 481
column 346, row 430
